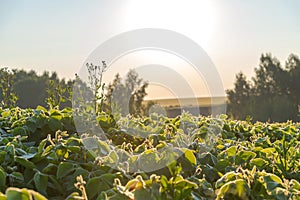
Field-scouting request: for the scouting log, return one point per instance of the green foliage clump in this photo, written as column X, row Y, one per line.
column 41, row 151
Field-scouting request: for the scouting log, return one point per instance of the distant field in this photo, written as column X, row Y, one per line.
column 189, row 102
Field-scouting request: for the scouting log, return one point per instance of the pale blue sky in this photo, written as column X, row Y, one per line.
column 59, row 35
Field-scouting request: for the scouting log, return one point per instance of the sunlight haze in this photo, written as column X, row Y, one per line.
column 59, row 35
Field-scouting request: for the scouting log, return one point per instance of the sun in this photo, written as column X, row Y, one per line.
column 194, row 18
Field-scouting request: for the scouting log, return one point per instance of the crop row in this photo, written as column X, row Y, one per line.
column 187, row 157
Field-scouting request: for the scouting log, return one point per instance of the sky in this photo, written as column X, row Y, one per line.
column 60, row 35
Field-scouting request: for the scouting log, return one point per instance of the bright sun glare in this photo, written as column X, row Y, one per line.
column 193, row 18
column 196, row 19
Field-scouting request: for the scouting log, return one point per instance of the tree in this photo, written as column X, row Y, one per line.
column 293, row 67
column 30, row 88
column 8, row 97
column 268, row 76
column 239, row 98
column 127, row 97
column 273, row 93
column 44, row 90
column 270, row 90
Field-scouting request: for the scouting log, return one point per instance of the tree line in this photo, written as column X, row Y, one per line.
column 29, row 90
column 273, row 94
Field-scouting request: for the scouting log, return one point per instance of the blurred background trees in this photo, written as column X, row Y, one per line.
column 127, row 96
column 8, row 97
column 273, row 94
column 28, row 89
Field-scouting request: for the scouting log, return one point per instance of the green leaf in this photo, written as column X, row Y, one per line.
column 41, row 182
column 272, row 181
column 80, row 171
column 31, row 125
column 241, row 187
column 36, row 195
column 50, row 169
column 55, row 124
column 27, row 156
column 147, row 160
column 47, row 150
column 259, row 162
column 24, row 162
column 164, row 181
column 55, row 185
column 104, row 148
column 61, row 152
column 41, row 108
column 295, row 184
column 245, row 156
column 143, row 194
column 2, row 178
column 64, row 168
column 208, row 158
column 2, row 156
column 269, row 150
column 56, row 114
column 42, row 145
column 189, row 155
column 238, row 188
column 75, row 149
column 222, row 164
column 114, row 156
column 231, row 151
column 19, row 131
column 185, row 184
column 98, row 184
column 20, row 152
column 229, row 176
column 23, row 194
column 17, row 176
column 96, row 146
column 73, row 196
column 6, row 113
column 16, row 194
column 2, row 132
column 211, row 173
column 3, row 196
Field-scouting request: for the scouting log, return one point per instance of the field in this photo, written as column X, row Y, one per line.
column 42, row 156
